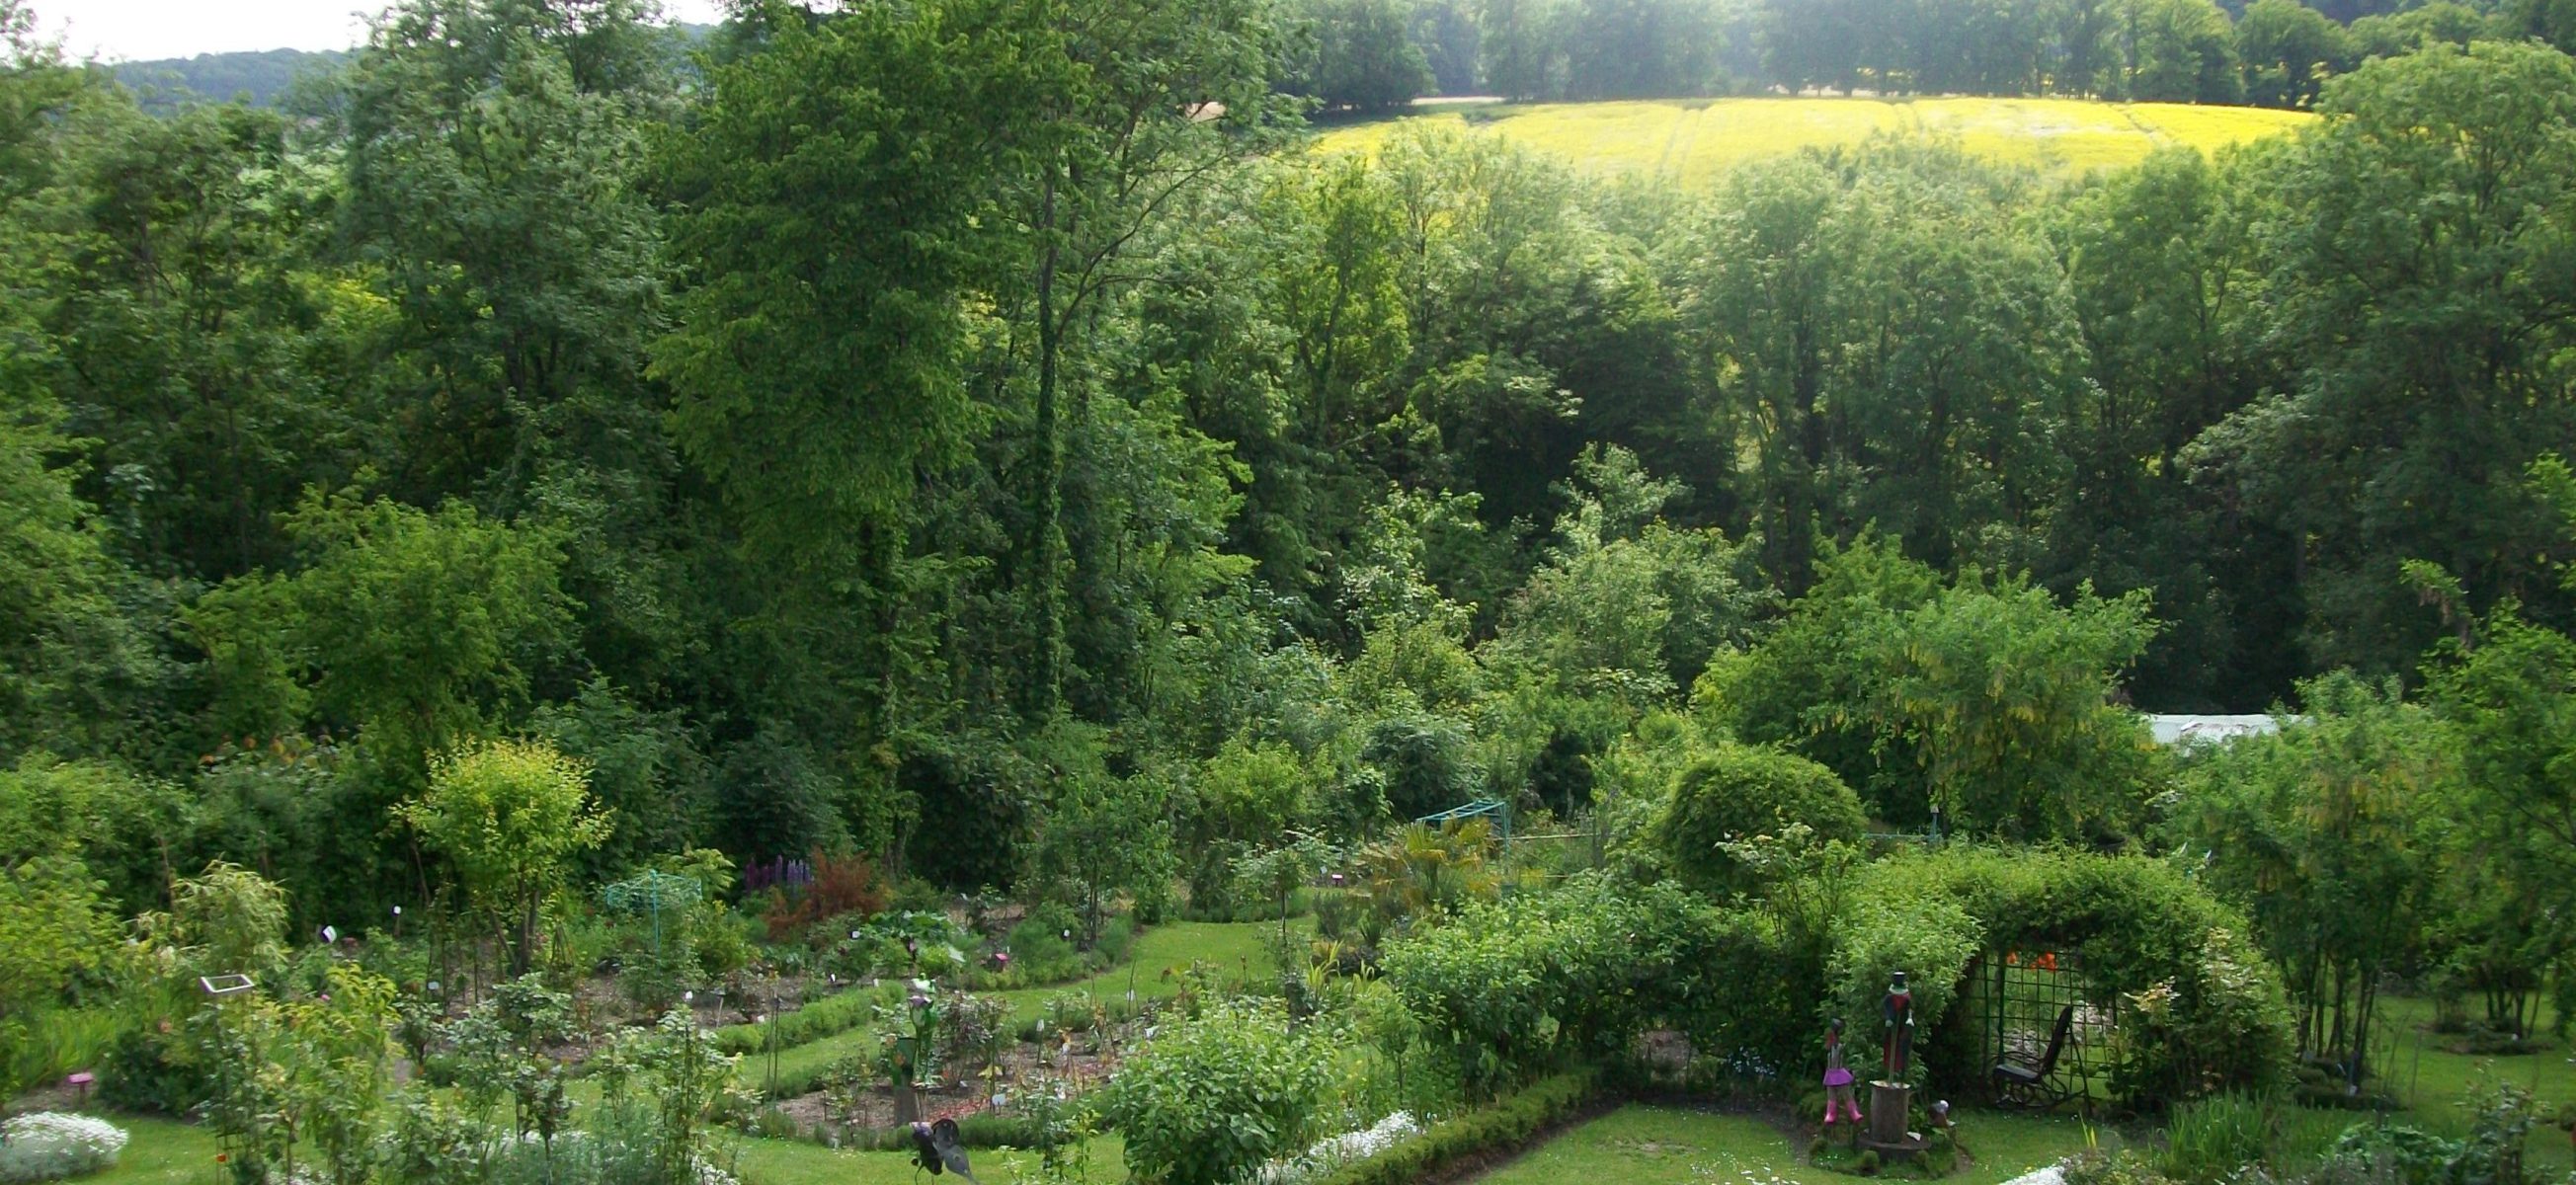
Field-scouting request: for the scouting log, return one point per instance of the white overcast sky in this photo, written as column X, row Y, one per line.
column 142, row 30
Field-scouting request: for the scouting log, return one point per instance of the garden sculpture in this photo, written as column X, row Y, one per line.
column 1838, row 1078
column 1898, row 1011
column 935, row 1147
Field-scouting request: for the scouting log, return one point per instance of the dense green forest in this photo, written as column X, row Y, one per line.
column 1055, row 436
column 261, row 78
column 915, row 492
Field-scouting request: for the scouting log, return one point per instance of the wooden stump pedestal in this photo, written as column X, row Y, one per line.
column 1890, row 1103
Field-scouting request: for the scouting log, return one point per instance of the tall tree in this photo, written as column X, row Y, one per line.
column 66, row 646
column 2320, row 831
column 2286, row 49
column 492, row 157
column 213, row 357
column 1149, row 102
column 835, row 192
column 1357, row 55
column 1520, row 48
column 2177, row 51
column 2425, row 247
column 1765, row 327
column 2165, row 275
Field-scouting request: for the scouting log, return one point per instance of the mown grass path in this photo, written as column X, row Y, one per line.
column 1693, row 141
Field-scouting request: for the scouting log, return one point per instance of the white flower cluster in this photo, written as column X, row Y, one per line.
column 709, row 1174
column 49, row 1146
column 1735, row 1172
column 1346, row 1148
column 2051, row 1175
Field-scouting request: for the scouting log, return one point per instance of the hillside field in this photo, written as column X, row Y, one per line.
column 1692, row 140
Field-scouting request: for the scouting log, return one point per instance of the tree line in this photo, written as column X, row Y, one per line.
column 1374, row 55
column 977, row 434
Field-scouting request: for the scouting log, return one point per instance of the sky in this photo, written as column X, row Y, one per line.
column 143, row 30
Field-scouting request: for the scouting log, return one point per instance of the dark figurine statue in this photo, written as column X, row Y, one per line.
column 1898, row 1011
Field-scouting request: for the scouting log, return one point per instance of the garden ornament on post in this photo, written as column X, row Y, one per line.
column 912, row 1048
column 220, row 989
column 935, row 1147
column 1838, row 1079
column 1898, row 1011
column 1890, row 1099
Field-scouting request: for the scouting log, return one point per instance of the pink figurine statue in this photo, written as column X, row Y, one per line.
column 1838, row 1078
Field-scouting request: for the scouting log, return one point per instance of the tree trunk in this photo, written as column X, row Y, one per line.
column 1046, row 676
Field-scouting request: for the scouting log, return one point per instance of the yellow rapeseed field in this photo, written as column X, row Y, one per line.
column 1693, row 140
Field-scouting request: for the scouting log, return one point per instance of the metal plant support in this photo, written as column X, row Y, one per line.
column 650, row 893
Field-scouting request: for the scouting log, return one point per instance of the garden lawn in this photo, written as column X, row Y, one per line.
column 1694, row 140
column 161, row 1152
column 1154, row 966
column 1647, row 1145
column 798, row 1162
column 2433, row 1082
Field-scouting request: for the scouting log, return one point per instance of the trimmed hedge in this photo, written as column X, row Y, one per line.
column 1506, row 1124
column 1519, row 987
column 829, row 1016
column 1738, row 792
column 2201, row 1009
column 982, row 1129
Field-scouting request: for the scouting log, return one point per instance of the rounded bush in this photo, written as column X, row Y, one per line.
column 1741, row 791
column 1212, row 1100
column 47, row 1146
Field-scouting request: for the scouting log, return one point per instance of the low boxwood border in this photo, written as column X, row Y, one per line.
column 980, row 1130
column 1480, row 1136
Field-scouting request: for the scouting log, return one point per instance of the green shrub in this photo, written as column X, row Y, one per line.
column 1513, row 986
column 52, row 1042
column 2099, row 1167
column 1929, row 938
column 148, row 1070
column 1740, row 791
column 1426, row 761
column 854, row 947
column 1042, row 945
column 1507, row 1123
column 1213, row 1100
column 1117, row 937
column 2209, row 1139
column 2408, row 1155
